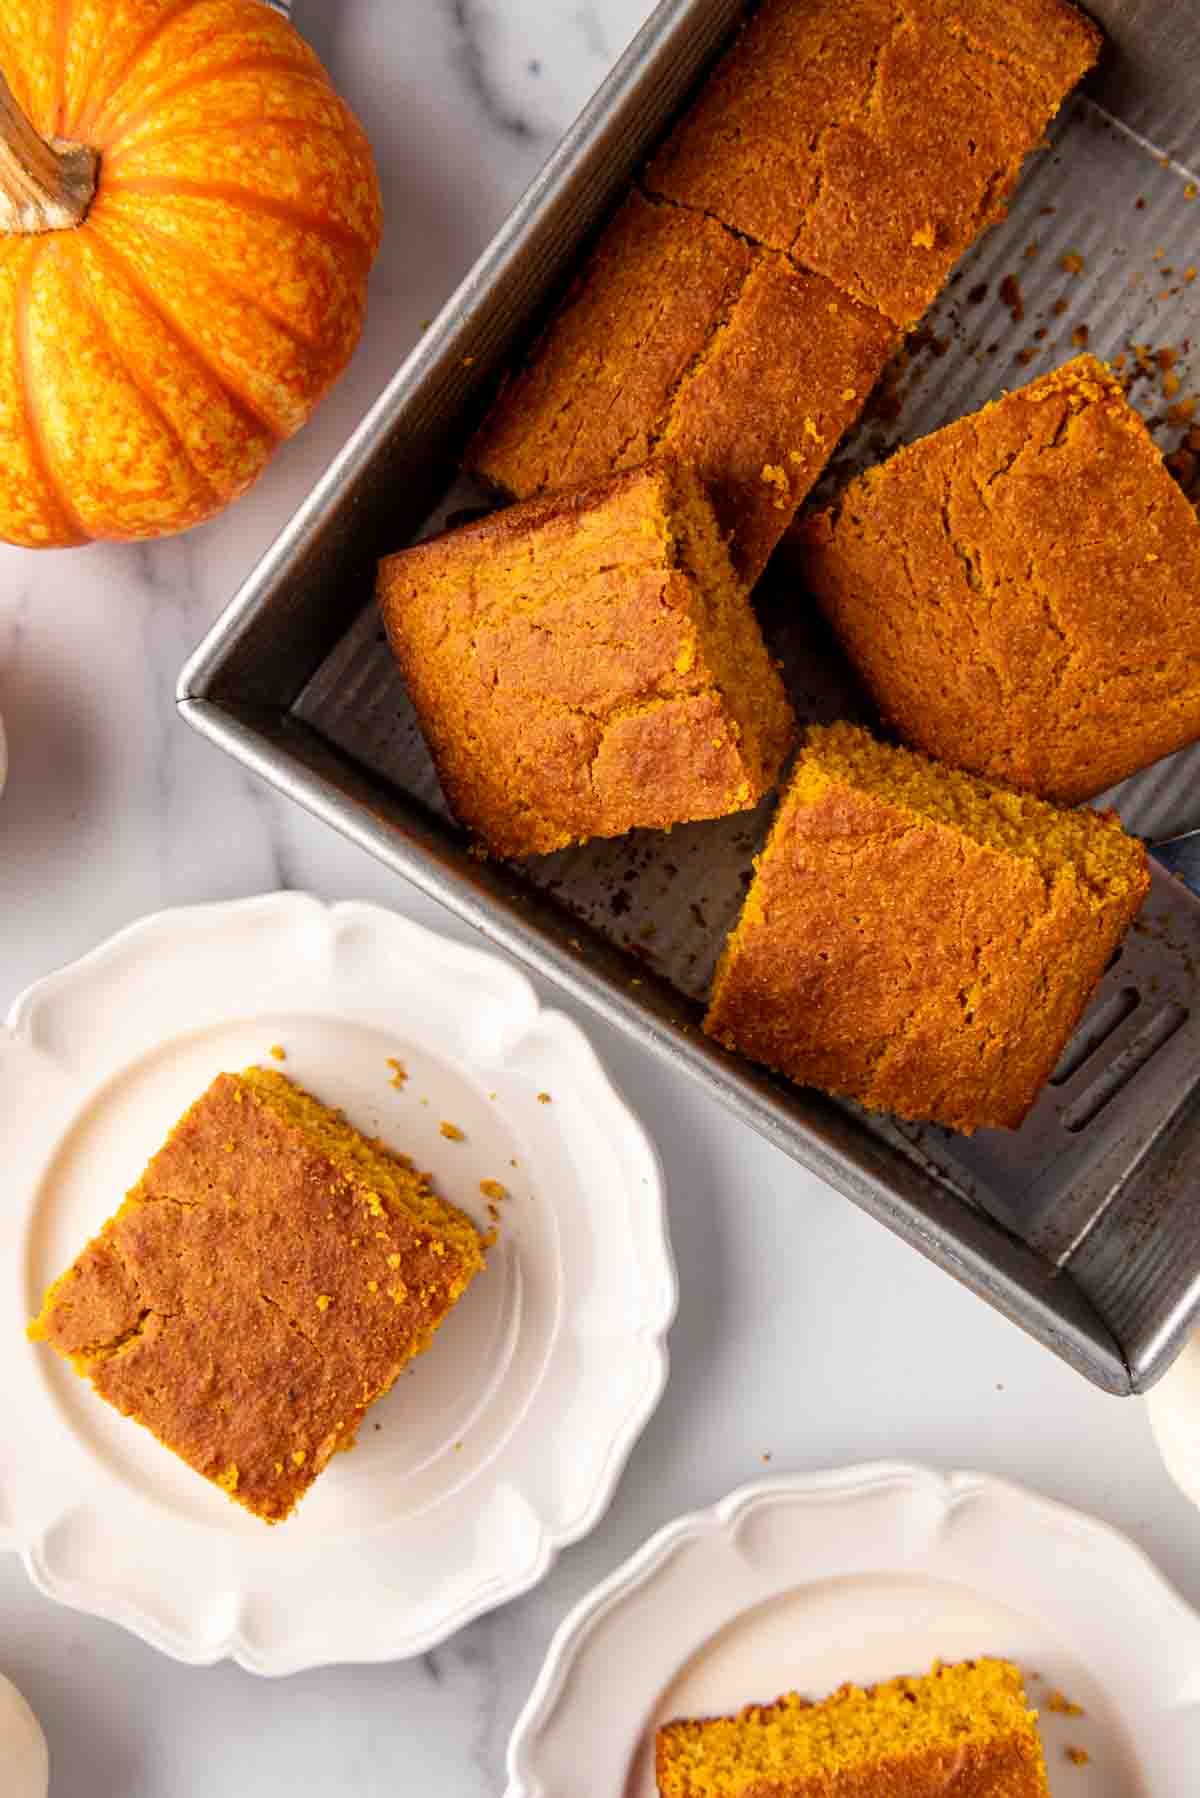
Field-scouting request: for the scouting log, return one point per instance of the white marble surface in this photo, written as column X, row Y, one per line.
column 805, row 1331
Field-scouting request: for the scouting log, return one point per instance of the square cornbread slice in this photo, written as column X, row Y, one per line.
column 1019, row 590
column 918, row 939
column 268, row 1277
column 678, row 335
column 874, row 142
column 587, row 663
column 966, row 1729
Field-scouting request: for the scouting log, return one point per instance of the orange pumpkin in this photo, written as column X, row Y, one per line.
column 188, row 214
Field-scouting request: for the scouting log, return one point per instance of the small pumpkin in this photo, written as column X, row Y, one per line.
column 188, row 215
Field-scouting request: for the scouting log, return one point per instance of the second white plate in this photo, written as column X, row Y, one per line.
column 802, row 1584
column 501, row 1444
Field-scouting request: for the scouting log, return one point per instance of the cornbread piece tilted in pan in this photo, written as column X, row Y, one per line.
column 266, row 1280
column 679, row 336
column 918, row 939
column 1021, row 591
column 587, row 663
column 965, row 1730
column 873, row 141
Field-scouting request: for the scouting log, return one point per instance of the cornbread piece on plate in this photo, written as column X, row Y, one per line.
column 918, row 939
column 873, row 141
column 681, row 336
column 587, row 663
column 1019, row 591
column 966, row 1729
column 265, row 1281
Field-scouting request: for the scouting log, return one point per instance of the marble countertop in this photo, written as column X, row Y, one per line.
column 806, row 1333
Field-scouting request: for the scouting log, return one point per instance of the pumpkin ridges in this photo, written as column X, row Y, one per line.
column 63, row 11
column 98, row 49
column 81, row 281
column 30, row 516
column 193, row 43
column 281, row 380
column 150, row 300
column 214, row 272
column 28, row 66
column 228, row 447
column 85, row 121
column 286, row 270
column 305, row 129
column 39, row 448
column 116, row 133
column 341, row 236
column 123, row 471
column 321, row 173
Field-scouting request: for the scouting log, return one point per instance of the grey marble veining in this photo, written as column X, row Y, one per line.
column 805, row 1332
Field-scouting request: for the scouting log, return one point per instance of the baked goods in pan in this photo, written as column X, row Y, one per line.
column 1019, row 590
column 587, row 663
column 873, row 142
column 679, row 336
column 918, row 939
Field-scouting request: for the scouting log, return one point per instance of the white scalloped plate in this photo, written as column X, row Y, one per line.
column 501, row 1445
column 800, row 1584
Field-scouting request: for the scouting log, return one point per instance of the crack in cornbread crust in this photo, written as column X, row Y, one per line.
column 963, row 1729
column 919, row 940
column 797, row 139
column 587, row 663
column 1018, row 591
column 680, row 336
column 264, row 1282
column 758, row 418
column 652, row 292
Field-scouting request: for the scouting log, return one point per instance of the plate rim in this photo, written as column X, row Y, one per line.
column 951, row 1489
column 657, row 1270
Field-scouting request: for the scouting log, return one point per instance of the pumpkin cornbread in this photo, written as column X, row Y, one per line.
column 1019, row 590
column 918, row 939
column 874, row 140
column 679, row 336
column 587, row 663
column 965, row 1729
column 268, row 1277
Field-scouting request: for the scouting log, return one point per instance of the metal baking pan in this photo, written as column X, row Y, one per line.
column 1082, row 1227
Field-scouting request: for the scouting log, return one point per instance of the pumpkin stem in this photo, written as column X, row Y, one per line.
column 43, row 186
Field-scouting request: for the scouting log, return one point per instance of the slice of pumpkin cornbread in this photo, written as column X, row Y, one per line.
column 1018, row 590
column 965, row 1728
column 679, row 336
column 919, row 939
column 874, row 140
column 587, row 663
column 265, row 1281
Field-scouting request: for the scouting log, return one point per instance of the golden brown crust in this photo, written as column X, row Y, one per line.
column 576, row 677
column 963, row 1729
column 248, row 1301
column 761, row 415
column 888, row 956
column 994, row 1770
column 1018, row 591
column 679, row 336
column 873, row 140
column 596, row 388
